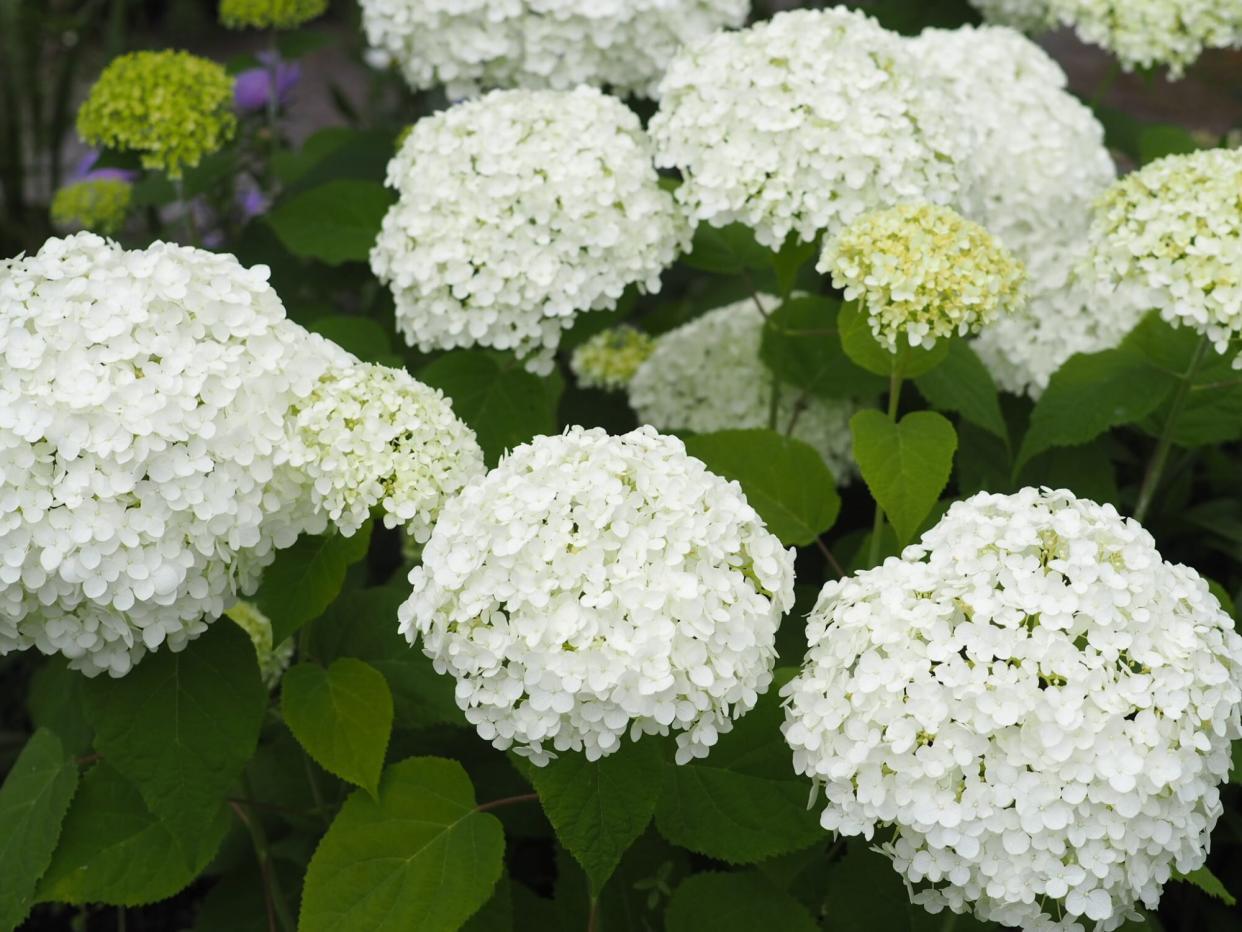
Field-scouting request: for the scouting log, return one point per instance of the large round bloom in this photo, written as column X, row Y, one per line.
column 593, row 585
column 1036, row 704
column 172, row 108
column 707, row 375
column 923, row 272
column 801, row 123
column 1140, row 33
column 518, row 211
column 162, row 427
column 1037, row 163
column 1169, row 236
column 473, row 45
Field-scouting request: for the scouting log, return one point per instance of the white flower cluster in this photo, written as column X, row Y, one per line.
column 372, row 436
column 518, row 211
column 1169, row 236
column 473, row 45
column 923, row 272
column 148, row 460
column 1140, row 33
column 1037, row 163
column 707, row 375
column 593, row 585
column 1038, row 705
column 802, row 123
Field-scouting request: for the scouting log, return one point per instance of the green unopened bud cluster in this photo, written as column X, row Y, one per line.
column 269, row 14
column 610, row 358
column 274, row 659
column 173, row 108
column 98, row 205
column 922, row 271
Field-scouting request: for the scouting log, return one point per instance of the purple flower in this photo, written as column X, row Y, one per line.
column 85, row 170
column 252, row 202
column 252, row 87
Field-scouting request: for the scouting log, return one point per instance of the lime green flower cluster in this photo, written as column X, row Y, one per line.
column 610, row 358
column 99, row 205
column 172, row 108
column 922, row 271
column 270, row 14
column 273, row 660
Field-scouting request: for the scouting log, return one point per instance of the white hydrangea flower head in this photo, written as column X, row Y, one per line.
column 1140, row 33
column 149, row 467
column 922, row 271
column 473, row 45
column 803, row 122
column 1037, row 164
column 707, row 375
column 1169, row 236
column 1036, row 702
column 591, row 586
column 274, row 659
column 516, row 212
column 609, row 359
column 372, row 437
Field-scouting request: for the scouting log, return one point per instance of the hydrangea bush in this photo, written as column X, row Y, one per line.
column 628, row 465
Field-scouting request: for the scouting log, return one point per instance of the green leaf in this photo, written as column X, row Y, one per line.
column 362, row 623
column 742, row 803
column 114, row 850
column 963, row 384
column 334, row 222
column 1212, row 411
column 181, row 725
column 57, row 702
column 359, row 335
column 1086, row 470
column 784, row 479
column 420, row 857
column 496, row 914
column 905, row 466
column 734, row 902
column 1090, row 394
column 305, row 578
column 503, row 403
column 1155, row 142
column 599, row 808
column 729, row 250
column 33, row 802
column 802, row 348
column 342, row 716
column 788, row 262
column 869, row 353
column 1209, row 883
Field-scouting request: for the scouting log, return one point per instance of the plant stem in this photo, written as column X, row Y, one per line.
column 507, row 801
column 830, row 559
column 774, row 403
column 1151, row 480
column 278, row 915
column 894, row 400
column 187, row 213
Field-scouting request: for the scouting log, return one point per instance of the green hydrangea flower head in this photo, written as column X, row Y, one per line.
column 923, row 271
column 98, row 205
column 610, row 358
column 270, row 14
column 1169, row 236
column 171, row 107
column 274, row 660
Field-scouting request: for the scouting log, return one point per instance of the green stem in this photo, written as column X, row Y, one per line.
column 950, row 922
column 774, row 404
column 278, row 909
column 120, row 919
column 894, row 400
column 1155, row 468
column 187, row 213
column 1106, row 84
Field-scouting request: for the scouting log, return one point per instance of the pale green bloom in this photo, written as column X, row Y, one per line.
column 610, row 358
column 922, row 271
column 1169, row 236
column 99, row 205
column 270, row 14
column 273, row 660
column 171, row 107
